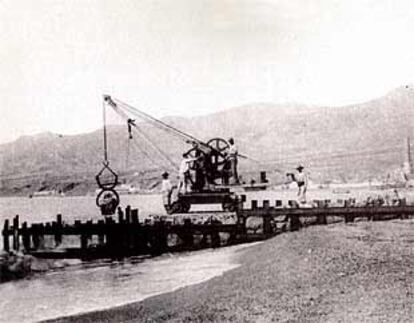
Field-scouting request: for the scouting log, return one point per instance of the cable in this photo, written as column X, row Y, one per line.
column 156, row 121
column 104, row 133
column 154, row 146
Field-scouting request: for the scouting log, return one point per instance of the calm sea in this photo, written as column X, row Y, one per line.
column 98, row 285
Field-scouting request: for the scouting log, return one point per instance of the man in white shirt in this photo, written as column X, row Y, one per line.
column 184, row 177
column 301, row 179
column 166, row 189
column 232, row 159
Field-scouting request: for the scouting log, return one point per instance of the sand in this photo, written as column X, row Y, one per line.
column 360, row 272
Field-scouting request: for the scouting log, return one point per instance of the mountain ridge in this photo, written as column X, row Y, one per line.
column 349, row 143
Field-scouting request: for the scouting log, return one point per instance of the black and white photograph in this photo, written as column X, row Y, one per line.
column 207, row 161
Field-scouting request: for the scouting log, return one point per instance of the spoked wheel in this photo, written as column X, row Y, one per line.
column 107, row 200
column 219, row 146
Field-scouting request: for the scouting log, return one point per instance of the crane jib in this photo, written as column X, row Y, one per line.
column 187, row 138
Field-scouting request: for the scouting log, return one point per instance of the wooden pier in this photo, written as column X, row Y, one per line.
column 128, row 236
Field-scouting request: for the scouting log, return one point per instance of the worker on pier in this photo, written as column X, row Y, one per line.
column 301, row 179
column 166, row 190
column 232, row 157
column 184, row 176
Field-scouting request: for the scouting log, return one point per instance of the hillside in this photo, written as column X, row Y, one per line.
column 347, row 143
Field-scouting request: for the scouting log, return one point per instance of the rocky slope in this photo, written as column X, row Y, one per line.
column 348, row 143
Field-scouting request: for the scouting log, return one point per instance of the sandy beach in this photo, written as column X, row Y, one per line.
column 361, row 272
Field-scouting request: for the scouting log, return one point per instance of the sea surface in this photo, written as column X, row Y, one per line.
column 96, row 285
column 92, row 286
column 43, row 209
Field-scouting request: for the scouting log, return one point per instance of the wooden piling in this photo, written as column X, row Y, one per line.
column 267, row 226
column 348, row 217
column 35, row 236
column 295, row 223
column 112, row 238
column 321, row 218
column 16, row 240
column 25, row 236
column 41, row 235
column 58, row 230
column 187, row 236
column 6, row 242
column 135, row 240
column 134, row 216
column 88, row 228
column 121, row 214
column 84, row 236
column 128, row 214
column 254, row 205
column 101, row 235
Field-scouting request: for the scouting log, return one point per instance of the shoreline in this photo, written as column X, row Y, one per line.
column 358, row 272
column 108, row 284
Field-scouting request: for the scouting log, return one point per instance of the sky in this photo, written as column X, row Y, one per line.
column 193, row 57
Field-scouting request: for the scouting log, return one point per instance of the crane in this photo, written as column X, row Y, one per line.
column 210, row 161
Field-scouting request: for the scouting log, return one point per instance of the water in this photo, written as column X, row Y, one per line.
column 96, row 286
column 43, row 209
column 99, row 285
column 40, row 209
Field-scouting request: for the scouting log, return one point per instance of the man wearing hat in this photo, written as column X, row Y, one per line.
column 166, row 189
column 302, row 180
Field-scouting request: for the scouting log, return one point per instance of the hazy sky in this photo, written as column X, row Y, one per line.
column 189, row 57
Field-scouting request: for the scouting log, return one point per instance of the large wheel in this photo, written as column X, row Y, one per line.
column 107, row 200
column 219, row 146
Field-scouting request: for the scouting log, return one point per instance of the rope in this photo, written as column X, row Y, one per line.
column 170, row 129
column 147, row 155
column 104, row 133
column 154, row 146
column 162, row 125
column 126, row 117
column 127, row 153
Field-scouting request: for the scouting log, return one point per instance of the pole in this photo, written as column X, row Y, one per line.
column 409, row 159
column 104, row 131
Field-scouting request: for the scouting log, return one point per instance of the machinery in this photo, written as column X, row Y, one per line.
column 209, row 169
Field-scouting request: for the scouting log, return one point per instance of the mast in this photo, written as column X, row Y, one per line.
column 409, row 158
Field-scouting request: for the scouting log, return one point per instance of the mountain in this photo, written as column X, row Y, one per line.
column 350, row 143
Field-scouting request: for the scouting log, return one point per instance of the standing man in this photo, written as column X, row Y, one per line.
column 301, row 179
column 232, row 159
column 184, row 177
column 166, row 190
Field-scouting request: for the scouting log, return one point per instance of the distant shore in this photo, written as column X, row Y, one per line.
column 350, row 273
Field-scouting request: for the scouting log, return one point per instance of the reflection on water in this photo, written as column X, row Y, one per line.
column 100, row 285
